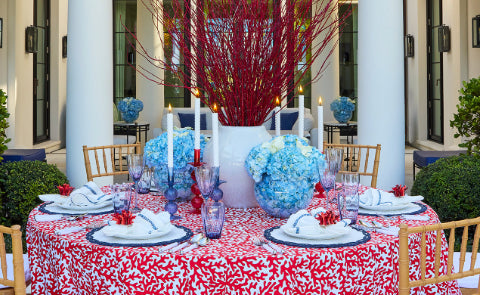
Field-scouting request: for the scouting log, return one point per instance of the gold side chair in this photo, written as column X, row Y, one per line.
column 108, row 160
column 404, row 258
column 18, row 285
column 363, row 159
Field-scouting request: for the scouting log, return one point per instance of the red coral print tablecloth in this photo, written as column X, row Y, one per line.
column 70, row 264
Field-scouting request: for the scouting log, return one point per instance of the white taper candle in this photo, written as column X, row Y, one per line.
column 301, row 114
column 197, row 124
column 170, row 137
column 277, row 121
column 320, row 124
column 215, row 136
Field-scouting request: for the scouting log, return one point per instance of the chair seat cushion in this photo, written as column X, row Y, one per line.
column 28, row 274
column 425, row 158
column 12, row 155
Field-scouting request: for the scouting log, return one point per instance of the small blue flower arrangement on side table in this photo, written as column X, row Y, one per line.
column 130, row 107
column 285, row 170
column 342, row 109
column 155, row 154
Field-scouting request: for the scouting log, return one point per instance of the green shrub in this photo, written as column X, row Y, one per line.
column 3, row 123
column 467, row 118
column 20, row 184
column 451, row 187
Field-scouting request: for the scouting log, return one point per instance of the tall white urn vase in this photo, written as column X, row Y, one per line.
column 235, row 142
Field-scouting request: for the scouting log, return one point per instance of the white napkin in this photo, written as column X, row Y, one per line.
column 52, row 197
column 88, row 195
column 304, row 224
column 69, row 230
column 145, row 223
column 391, row 230
column 416, row 217
column 374, row 197
column 53, row 217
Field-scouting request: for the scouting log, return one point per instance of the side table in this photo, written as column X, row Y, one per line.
column 348, row 129
column 136, row 128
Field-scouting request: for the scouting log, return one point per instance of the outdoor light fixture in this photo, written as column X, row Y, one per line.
column 31, row 39
column 443, row 38
column 409, row 49
column 1, row 31
column 64, row 46
column 475, row 32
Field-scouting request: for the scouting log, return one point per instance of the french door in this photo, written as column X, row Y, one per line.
column 41, row 73
column 435, row 72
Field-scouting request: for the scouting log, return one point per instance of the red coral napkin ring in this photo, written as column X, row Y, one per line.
column 327, row 218
column 65, row 189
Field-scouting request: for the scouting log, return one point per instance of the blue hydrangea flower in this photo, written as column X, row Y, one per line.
column 129, row 107
column 284, row 170
column 342, row 103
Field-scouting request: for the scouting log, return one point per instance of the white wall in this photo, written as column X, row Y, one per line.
column 150, row 93
column 58, row 70
column 19, row 74
column 473, row 9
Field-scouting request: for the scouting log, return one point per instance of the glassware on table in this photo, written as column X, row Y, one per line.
column 213, row 217
column 206, row 177
column 348, row 200
column 121, row 194
column 334, row 157
column 135, row 168
column 145, row 181
column 327, row 178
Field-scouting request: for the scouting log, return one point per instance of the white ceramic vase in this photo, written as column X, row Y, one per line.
column 235, row 142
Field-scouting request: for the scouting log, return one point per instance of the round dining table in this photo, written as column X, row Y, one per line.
column 72, row 264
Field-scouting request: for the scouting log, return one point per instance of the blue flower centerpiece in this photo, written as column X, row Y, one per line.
column 155, row 154
column 129, row 108
column 342, row 109
column 285, row 170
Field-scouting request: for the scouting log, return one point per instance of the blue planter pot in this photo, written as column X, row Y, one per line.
column 282, row 198
column 342, row 116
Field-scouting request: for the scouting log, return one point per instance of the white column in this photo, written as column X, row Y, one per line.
column 381, row 115
column 147, row 91
column 89, row 83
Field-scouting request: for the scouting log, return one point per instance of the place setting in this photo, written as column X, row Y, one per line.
column 88, row 199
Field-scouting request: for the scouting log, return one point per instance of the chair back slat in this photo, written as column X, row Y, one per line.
column 451, row 241
column 18, row 284
column 475, row 247
column 463, row 248
column 405, row 282
column 359, row 158
column 3, row 256
column 423, row 256
column 111, row 161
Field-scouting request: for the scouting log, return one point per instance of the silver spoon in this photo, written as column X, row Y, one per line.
column 256, row 241
column 195, row 239
column 202, row 242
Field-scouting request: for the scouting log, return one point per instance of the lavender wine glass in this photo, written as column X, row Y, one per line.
column 327, row 178
column 206, row 177
column 135, row 168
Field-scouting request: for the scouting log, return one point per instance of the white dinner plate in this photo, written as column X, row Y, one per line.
column 119, row 231
column 330, row 232
column 69, row 206
column 386, row 207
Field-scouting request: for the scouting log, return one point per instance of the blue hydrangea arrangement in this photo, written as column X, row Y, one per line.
column 129, row 107
column 285, row 170
column 155, row 155
column 342, row 103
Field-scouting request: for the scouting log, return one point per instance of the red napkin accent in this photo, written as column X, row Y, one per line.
column 327, row 218
column 319, row 188
column 399, row 190
column 125, row 218
column 65, row 189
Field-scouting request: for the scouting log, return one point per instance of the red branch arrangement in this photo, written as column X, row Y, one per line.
column 126, row 218
column 65, row 189
column 399, row 190
column 242, row 54
column 327, row 218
